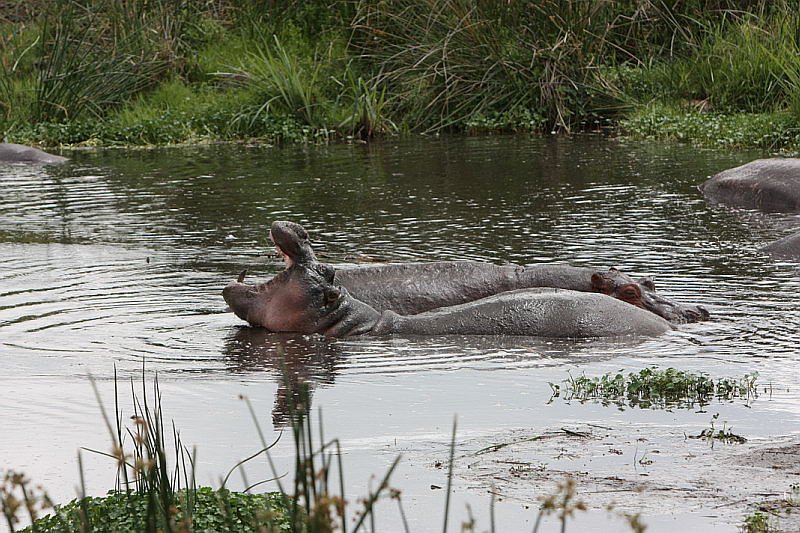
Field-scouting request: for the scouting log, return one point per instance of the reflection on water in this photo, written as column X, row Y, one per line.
column 120, row 256
column 299, row 364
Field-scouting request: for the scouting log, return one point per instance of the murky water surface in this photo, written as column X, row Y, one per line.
column 119, row 257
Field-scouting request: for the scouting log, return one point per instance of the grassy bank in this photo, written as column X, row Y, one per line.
column 136, row 72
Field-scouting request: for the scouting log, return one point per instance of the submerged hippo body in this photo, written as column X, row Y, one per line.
column 771, row 185
column 786, row 248
column 18, row 153
column 411, row 288
column 304, row 299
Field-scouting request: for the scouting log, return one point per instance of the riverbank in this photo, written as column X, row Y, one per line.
column 191, row 72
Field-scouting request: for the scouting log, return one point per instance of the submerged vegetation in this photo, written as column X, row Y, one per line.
column 656, row 388
column 718, row 72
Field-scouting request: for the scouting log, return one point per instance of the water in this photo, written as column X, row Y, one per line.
column 119, row 257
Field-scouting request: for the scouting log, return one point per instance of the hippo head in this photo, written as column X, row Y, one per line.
column 642, row 293
column 295, row 300
column 291, row 242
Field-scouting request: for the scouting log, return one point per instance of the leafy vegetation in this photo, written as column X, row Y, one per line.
column 655, row 388
column 176, row 71
column 724, row 434
column 213, row 510
column 756, row 522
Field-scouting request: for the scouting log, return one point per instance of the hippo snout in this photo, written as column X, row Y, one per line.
column 696, row 313
column 235, row 295
column 683, row 314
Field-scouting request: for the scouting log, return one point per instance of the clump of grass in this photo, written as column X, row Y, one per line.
column 656, row 389
column 288, row 85
column 723, row 434
column 156, row 488
column 368, row 117
column 91, row 63
column 756, row 522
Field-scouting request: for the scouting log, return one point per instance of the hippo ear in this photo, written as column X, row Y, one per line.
column 647, row 283
column 600, row 283
column 242, row 274
column 630, row 293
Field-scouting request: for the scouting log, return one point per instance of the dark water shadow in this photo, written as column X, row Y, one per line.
column 298, row 363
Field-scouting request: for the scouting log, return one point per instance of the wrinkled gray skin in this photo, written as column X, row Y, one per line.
column 304, row 299
column 17, row 153
column 411, row 288
column 771, row 185
column 786, row 248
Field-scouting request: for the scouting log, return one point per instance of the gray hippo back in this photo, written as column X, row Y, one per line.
column 18, row 153
column 786, row 248
column 771, row 185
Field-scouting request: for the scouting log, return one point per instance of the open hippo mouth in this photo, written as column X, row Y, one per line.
column 291, row 243
column 286, row 258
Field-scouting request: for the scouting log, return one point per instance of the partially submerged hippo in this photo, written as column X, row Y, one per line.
column 771, row 185
column 304, row 299
column 411, row 288
column 786, row 248
column 18, row 153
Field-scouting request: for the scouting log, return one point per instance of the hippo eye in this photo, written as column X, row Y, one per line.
column 331, row 295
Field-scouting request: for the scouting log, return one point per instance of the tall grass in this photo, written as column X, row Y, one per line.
column 93, row 56
column 368, row 116
column 362, row 68
column 448, row 61
column 287, row 85
column 95, row 60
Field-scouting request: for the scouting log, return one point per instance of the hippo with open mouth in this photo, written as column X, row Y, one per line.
column 304, row 299
column 411, row 288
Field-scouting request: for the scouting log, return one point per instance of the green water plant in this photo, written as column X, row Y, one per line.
column 756, row 522
column 724, row 434
column 656, row 388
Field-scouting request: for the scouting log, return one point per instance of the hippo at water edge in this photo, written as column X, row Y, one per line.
column 786, row 248
column 304, row 299
column 18, row 153
column 411, row 288
column 771, row 185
